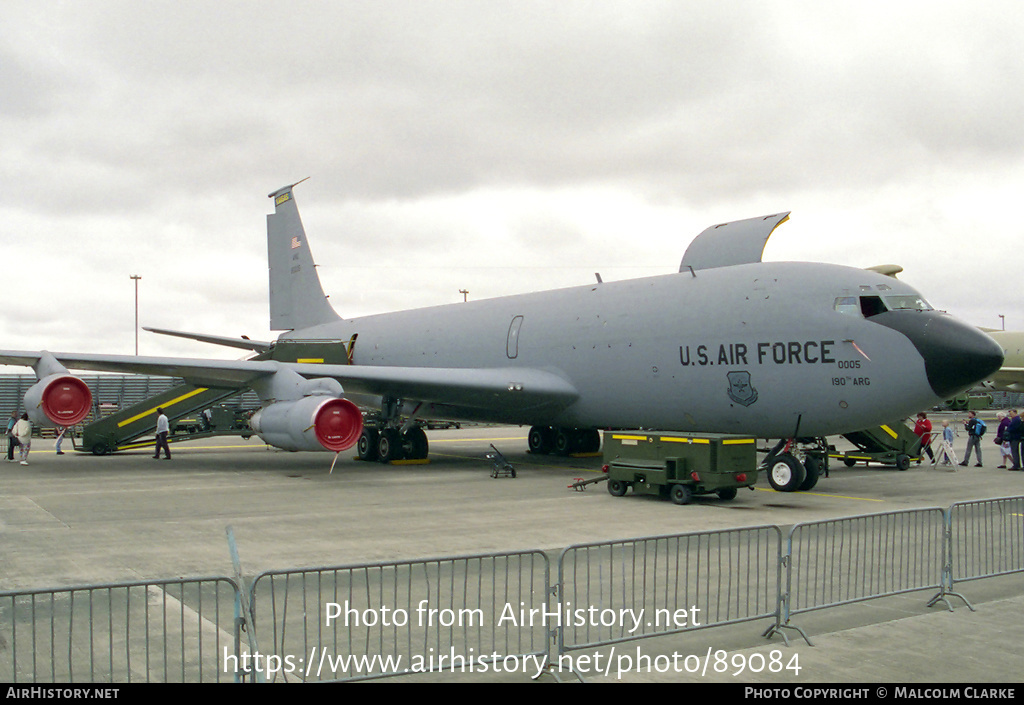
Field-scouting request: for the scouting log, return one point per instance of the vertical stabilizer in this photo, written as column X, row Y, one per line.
column 297, row 298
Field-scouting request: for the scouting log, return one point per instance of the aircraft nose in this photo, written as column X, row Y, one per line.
column 956, row 355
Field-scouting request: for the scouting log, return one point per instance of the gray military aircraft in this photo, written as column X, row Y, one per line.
column 1009, row 377
column 728, row 344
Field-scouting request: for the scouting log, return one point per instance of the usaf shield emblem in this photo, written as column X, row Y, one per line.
column 741, row 390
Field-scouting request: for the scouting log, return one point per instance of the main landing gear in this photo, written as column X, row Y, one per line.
column 553, row 440
column 795, row 464
column 393, row 444
column 385, row 439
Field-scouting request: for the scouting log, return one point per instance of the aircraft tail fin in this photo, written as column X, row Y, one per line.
column 297, row 298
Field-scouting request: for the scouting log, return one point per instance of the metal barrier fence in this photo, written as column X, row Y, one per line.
column 169, row 630
column 986, row 539
column 500, row 611
column 661, row 585
column 840, row 561
column 382, row 619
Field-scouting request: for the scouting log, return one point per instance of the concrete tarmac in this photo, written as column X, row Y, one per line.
column 77, row 519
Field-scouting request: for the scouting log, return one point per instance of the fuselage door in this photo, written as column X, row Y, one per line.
column 512, row 344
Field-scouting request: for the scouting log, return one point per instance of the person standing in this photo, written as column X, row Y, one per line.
column 163, row 429
column 1013, row 434
column 23, row 430
column 12, row 440
column 946, row 455
column 973, row 438
column 1002, row 440
column 61, row 430
column 923, row 429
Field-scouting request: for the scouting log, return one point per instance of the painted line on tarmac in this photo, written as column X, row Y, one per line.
column 476, row 440
column 822, row 494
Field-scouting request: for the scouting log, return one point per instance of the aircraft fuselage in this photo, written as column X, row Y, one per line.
column 760, row 349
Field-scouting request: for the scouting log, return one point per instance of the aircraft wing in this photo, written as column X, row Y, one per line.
column 511, row 388
column 1009, row 377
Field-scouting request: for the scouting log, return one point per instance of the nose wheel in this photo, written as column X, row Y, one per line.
column 785, row 473
column 788, row 473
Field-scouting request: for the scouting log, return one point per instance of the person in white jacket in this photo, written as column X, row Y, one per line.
column 23, row 432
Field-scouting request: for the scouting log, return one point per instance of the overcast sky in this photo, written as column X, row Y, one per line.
column 499, row 147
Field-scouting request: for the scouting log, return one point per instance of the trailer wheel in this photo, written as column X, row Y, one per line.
column 681, row 494
column 902, row 462
column 850, row 462
column 786, row 474
column 616, row 488
column 729, row 493
column 100, row 448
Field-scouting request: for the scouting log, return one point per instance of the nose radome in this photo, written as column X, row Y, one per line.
column 956, row 355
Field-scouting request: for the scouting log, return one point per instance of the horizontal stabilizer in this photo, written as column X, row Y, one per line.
column 241, row 342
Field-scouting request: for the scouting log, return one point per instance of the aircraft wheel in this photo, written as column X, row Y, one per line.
column 541, row 439
column 366, row 448
column 616, row 488
column 786, row 474
column 566, row 441
column 812, row 469
column 681, row 494
column 389, row 445
column 414, row 444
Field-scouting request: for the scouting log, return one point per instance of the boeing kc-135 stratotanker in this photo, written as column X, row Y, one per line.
column 727, row 344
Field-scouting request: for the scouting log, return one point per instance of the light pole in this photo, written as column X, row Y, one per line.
column 136, row 278
column 465, row 295
column 1003, row 319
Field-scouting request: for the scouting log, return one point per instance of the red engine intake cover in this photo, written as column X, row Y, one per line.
column 338, row 424
column 66, row 401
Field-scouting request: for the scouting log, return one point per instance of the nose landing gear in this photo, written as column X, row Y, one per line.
column 794, row 465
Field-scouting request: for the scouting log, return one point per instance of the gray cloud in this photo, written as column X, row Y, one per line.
column 497, row 146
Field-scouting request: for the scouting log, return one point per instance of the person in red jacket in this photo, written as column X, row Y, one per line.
column 923, row 428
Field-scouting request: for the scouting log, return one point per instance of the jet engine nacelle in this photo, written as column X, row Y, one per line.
column 60, row 399
column 311, row 423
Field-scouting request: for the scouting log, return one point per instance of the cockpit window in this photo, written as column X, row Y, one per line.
column 847, row 305
column 868, row 306
column 912, row 302
column 871, row 306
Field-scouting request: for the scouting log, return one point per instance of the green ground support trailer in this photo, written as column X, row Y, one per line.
column 970, row 402
column 679, row 465
column 888, row 444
